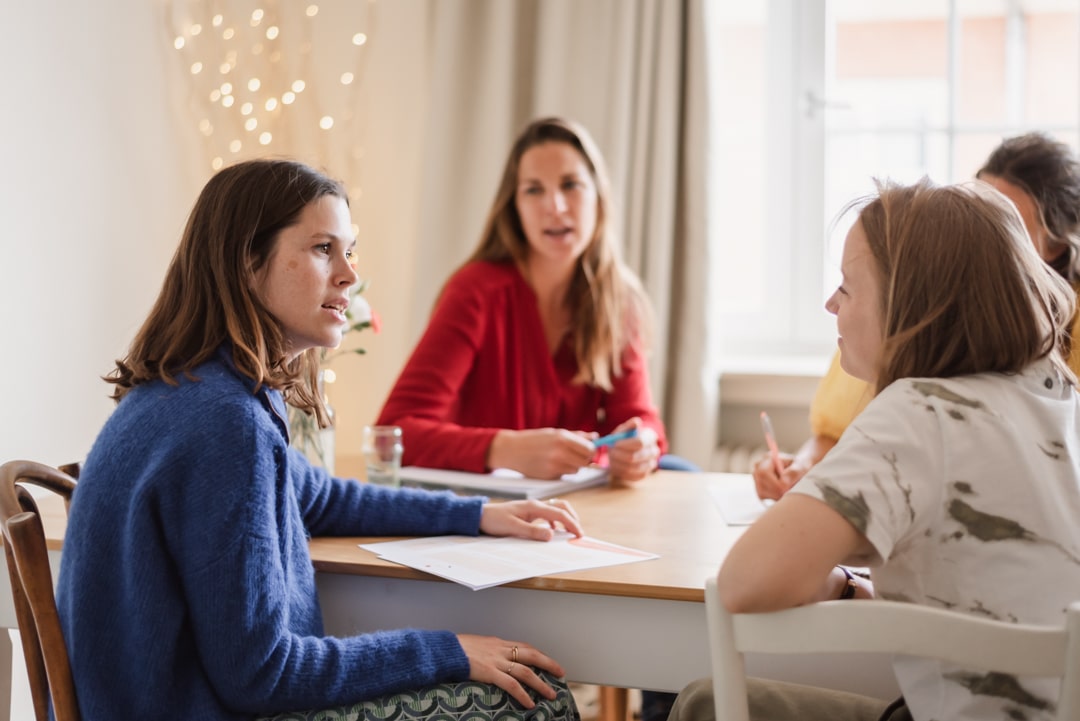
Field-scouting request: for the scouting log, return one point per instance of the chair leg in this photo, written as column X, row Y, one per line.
column 614, row 704
column 6, row 650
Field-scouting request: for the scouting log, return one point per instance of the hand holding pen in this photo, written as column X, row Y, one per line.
column 633, row 451
column 769, row 472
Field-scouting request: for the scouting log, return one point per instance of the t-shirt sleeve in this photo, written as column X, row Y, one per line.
column 838, row 399
column 885, row 474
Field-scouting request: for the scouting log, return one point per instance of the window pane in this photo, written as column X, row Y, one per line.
column 739, row 63
column 1052, row 65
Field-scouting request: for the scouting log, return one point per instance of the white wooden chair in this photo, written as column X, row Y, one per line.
column 889, row 627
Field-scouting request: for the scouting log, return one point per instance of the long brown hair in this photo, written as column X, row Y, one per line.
column 963, row 290
column 1049, row 172
column 207, row 297
column 606, row 300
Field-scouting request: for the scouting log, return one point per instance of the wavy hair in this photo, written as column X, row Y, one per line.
column 964, row 290
column 207, row 298
column 1049, row 172
column 608, row 304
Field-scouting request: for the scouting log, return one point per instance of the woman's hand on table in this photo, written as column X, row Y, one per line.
column 632, row 459
column 541, row 452
column 509, row 665
column 519, row 519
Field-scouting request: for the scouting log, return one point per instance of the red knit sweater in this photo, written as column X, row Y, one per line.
column 482, row 365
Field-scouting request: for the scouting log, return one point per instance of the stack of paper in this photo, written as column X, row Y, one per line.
column 502, row 482
column 485, row 561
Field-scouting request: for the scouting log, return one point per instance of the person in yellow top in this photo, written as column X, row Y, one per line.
column 1041, row 176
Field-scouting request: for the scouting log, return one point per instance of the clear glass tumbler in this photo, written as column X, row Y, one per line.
column 382, row 450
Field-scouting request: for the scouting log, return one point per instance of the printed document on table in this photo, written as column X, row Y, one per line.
column 485, row 561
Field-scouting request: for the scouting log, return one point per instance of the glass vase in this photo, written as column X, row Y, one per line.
column 317, row 444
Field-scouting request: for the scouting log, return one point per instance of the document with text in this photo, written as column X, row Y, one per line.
column 485, row 561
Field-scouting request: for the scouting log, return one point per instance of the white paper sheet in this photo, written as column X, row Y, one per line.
column 485, row 561
column 737, row 500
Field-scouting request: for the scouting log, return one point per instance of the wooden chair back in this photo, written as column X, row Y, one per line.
column 27, row 556
column 889, row 627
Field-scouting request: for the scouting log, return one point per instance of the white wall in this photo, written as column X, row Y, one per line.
column 95, row 185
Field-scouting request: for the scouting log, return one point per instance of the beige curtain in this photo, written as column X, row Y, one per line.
column 439, row 89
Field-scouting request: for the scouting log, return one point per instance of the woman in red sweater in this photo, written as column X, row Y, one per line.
column 538, row 342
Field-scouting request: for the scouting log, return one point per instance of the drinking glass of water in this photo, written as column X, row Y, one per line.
column 382, row 455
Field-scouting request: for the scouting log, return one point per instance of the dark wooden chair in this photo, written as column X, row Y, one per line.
column 47, row 665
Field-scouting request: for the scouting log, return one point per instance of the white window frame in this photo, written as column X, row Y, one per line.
column 792, row 330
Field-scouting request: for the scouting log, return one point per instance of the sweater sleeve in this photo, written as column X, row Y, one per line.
column 244, row 571
column 342, row 507
column 631, row 396
column 424, row 395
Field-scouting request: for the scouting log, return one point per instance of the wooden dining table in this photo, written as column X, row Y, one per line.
column 636, row 625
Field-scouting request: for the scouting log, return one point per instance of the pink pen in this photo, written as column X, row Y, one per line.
column 770, row 441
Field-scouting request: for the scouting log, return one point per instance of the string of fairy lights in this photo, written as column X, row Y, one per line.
column 270, row 76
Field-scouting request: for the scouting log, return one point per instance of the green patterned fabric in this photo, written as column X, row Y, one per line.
column 464, row 701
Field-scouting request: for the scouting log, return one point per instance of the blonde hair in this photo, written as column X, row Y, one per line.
column 606, row 300
column 963, row 290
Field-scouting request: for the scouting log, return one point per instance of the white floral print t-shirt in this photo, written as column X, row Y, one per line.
column 968, row 489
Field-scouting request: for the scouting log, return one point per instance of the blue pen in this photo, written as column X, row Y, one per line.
column 614, row 438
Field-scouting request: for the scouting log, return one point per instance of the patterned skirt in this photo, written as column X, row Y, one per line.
column 463, row 701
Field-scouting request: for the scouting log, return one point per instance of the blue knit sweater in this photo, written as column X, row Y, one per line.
column 186, row 588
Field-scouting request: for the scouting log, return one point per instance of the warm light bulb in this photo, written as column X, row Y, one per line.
column 254, row 84
column 256, row 17
column 216, row 22
column 250, row 124
column 298, row 86
column 196, row 68
column 227, row 100
column 312, row 10
column 288, row 97
column 215, row 95
column 265, row 138
column 224, row 68
column 178, row 43
column 326, row 122
column 226, row 88
column 359, row 39
column 346, row 78
column 205, row 127
column 271, row 103
column 246, row 109
column 329, row 376
column 228, row 33
column 272, row 32
column 235, row 146
column 196, row 29
column 216, row 163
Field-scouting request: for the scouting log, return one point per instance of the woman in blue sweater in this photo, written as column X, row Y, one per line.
column 186, row 587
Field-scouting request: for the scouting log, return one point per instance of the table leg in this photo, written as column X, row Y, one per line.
column 614, row 704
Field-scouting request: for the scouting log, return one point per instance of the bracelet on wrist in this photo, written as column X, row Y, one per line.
column 850, row 585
